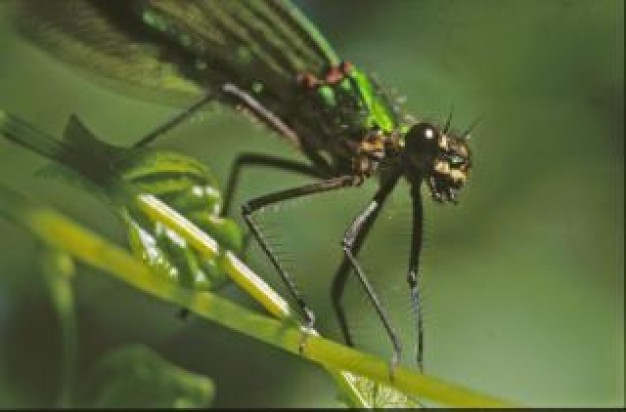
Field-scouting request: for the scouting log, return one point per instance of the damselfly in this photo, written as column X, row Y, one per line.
column 267, row 58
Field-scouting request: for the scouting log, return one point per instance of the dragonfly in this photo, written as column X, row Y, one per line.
column 268, row 60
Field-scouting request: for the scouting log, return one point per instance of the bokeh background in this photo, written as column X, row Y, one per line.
column 524, row 281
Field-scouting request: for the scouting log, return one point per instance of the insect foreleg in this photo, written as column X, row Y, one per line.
column 246, row 160
column 413, row 275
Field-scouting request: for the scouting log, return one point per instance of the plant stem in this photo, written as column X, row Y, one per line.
column 58, row 270
column 240, row 274
column 61, row 233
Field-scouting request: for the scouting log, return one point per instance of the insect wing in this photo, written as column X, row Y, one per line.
column 78, row 33
column 179, row 49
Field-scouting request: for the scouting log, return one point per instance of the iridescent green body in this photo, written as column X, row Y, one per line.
column 187, row 48
column 179, row 181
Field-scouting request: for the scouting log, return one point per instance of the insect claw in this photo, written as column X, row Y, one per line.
column 452, row 196
column 437, row 197
column 302, row 343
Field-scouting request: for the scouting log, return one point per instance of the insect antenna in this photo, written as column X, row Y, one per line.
column 466, row 133
column 446, row 127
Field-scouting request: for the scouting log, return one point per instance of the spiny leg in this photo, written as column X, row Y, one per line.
column 246, row 160
column 261, row 112
column 319, row 169
column 240, row 96
column 338, row 287
column 414, row 276
column 174, row 121
column 254, row 205
column 278, row 125
column 349, row 241
column 341, row 276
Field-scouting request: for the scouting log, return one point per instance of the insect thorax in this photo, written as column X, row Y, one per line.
column 348, row 116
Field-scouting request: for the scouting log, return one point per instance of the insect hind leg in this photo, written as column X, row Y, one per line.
column 251, row 207
column 175, row 121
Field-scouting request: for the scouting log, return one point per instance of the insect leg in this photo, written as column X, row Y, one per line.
column 245, row 160
column 413, row 275
column 360, row 225
column 254, row 205
column 278, row 125
column 174, row 121
column 262, row 113
column 341, row 276
column 253, row 159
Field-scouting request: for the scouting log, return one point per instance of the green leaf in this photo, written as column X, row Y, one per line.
column 135, row 376
column 179, row 181
column 60, row 232
column 188, row 187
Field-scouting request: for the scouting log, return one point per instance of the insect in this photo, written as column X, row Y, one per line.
column 268, row 59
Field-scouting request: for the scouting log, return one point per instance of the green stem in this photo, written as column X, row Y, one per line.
column 23, row 133
column 241, row 275
column 58, row 270
column 61, row 233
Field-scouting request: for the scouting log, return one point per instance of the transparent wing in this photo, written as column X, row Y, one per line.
column 78, row 33
column 179, row 49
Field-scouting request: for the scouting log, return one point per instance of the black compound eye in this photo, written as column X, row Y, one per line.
column 424, row 131
column 423, row 137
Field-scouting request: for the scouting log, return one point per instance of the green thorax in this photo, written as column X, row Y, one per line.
column 346, row 105
column 377, row 108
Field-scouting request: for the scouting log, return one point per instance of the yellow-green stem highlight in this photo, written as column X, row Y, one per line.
column 60, row 232
column 241, row 275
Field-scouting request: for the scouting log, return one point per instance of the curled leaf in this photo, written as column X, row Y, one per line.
column 188, row 187
column 179, row 181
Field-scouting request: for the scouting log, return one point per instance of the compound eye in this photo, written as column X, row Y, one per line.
column 423, row 132
column 422, row 138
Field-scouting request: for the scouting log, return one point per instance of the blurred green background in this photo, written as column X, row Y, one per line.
column 524, row 280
